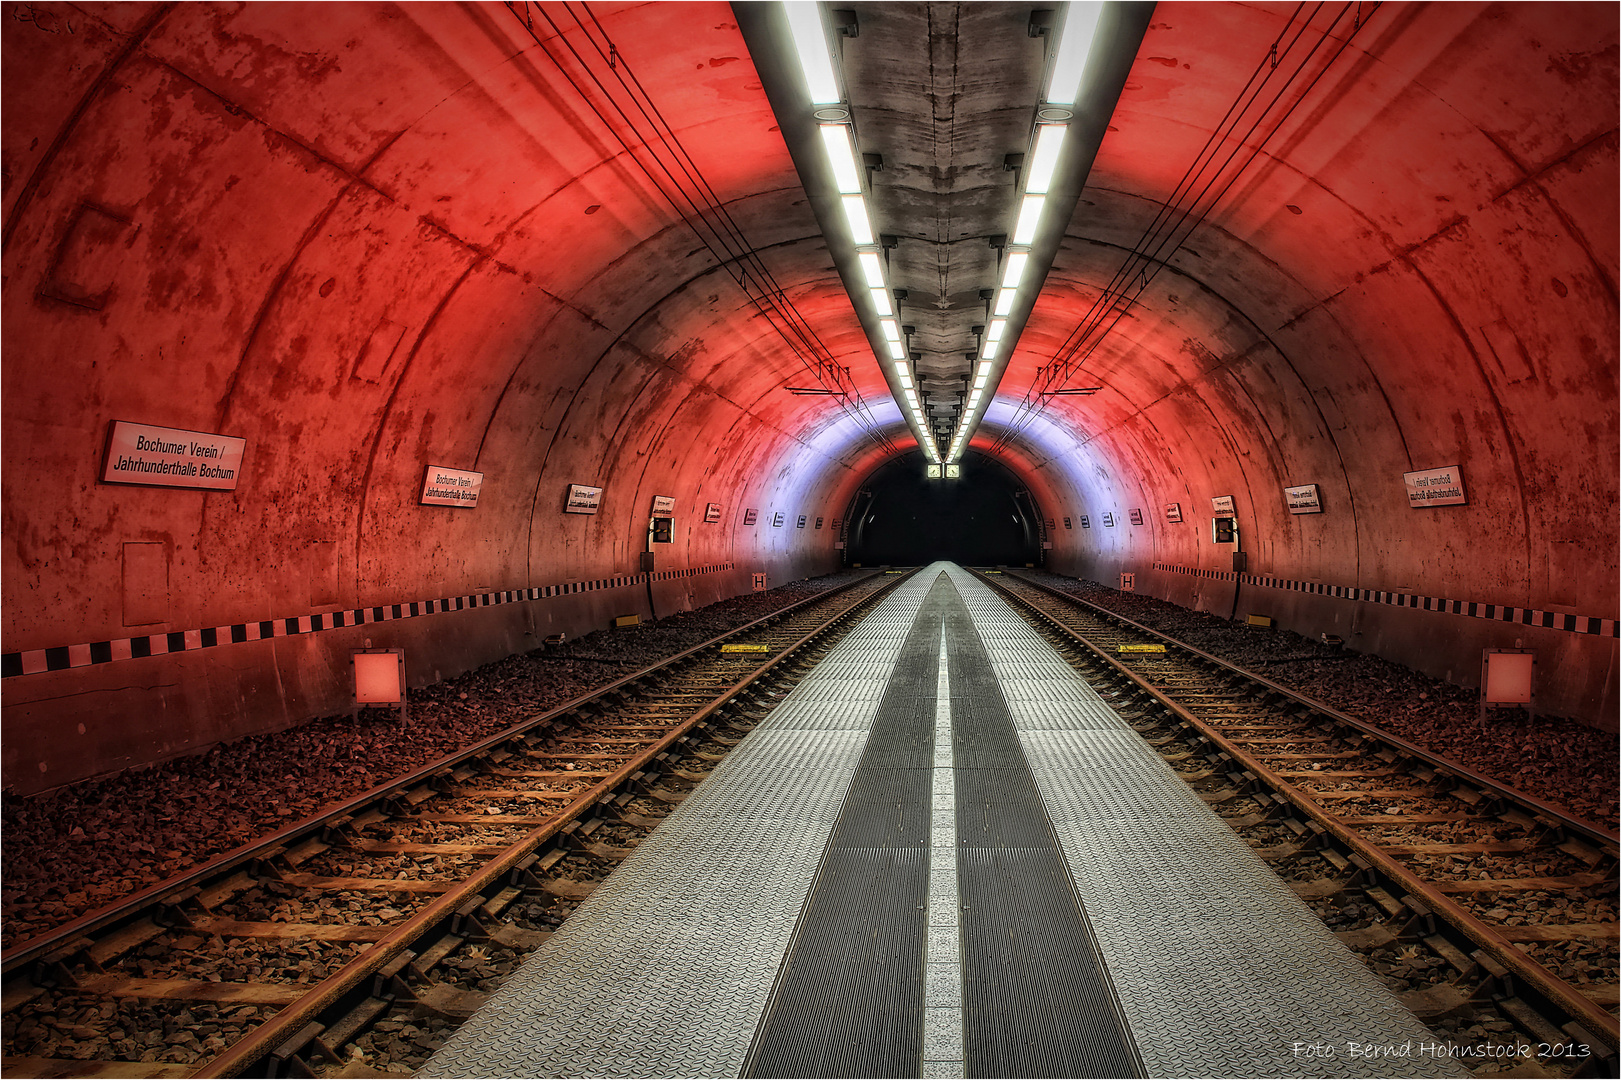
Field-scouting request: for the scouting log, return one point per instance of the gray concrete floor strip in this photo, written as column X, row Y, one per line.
column 666, row 967
column 1221, row 970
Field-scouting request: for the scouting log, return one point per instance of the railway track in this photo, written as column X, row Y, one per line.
column 1491, row 913
column 353, row 942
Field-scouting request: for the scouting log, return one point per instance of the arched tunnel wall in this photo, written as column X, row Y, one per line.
column 371, row 239
column 1419, row 273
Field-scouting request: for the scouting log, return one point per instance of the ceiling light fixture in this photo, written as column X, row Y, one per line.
column 841, row 155
column 1049, row 141
column 880, row 300
column 873, row 269
column 1029, row 217
column 1014, row 269
column 1074, row 45
column 810, row 42
column 855, row 214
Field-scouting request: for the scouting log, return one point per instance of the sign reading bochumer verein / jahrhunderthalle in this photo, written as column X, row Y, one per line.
column 451, row 487
column 172, row 457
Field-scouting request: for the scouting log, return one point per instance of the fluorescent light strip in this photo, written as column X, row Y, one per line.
column 1015, row 269
column 1029, row 217
column 989, row 352
column 1074, row 45
column 810, row 42
column 897, row 351
column 996, row 330
column 1049, row 140
column 880, row 300
column 841, row 155
column 892, row 331
column 1004, row 302
column 855, row 214
column 873, row 268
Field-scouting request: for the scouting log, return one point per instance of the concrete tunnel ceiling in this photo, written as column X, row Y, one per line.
column 559, row 244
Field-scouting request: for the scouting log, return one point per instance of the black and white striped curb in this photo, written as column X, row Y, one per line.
column 105, row 652
column 1553, row 620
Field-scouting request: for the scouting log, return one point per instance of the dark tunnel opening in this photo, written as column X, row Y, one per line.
column 981, row 518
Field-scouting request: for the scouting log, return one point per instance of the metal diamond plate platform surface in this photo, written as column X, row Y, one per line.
column 665, row 969
column 1221, row 970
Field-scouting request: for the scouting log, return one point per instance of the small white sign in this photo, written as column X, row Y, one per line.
column 1173, row 511
column 1435, row 487
column 172, row 457
column 664, row 506
column 451, row 487
column 1222, row 504
column 582, row 499
column 1303, row 499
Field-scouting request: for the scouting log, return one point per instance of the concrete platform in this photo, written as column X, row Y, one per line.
column 858, row 890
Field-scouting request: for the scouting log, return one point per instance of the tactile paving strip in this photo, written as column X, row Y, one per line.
column 1221, row 970
column 665, row 969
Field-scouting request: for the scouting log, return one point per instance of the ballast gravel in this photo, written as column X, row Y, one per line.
column 89, row 844
column 1558, row 760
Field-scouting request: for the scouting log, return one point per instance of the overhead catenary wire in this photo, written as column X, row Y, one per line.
column 689, row 194
column 1149, row 255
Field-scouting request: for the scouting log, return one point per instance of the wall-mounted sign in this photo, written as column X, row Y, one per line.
column 776, row 520
column 664, row 506
column 1224, row 530
column 1222, row 504
column 1136, row 516
column 451, row 487
column 750, row 516
column 1050, row 524
column 1303, row 499
column 712, row 513
column 1067, row 525
column 759, row 580
column 1435, row 487
column 801, row 521
column 582, row 499
column 1108, row 520
column 818, row 523
column 838, row 523
column 1128, row 582
column 172, row 457
column 1086, row 522
column 1173, row 511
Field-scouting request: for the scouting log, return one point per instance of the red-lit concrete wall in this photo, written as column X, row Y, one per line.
column 368, row 239
column 1420, row 271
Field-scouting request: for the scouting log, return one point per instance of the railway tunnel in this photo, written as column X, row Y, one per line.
column 468, row 329
column 560, row 249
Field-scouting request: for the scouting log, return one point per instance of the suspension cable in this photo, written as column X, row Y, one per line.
column 1148, row 256
column 695, row 202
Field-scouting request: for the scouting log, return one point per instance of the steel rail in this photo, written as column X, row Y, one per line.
column 1592, row 829
column 1550, row 986
column 41, row 945
column 287, row 1022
